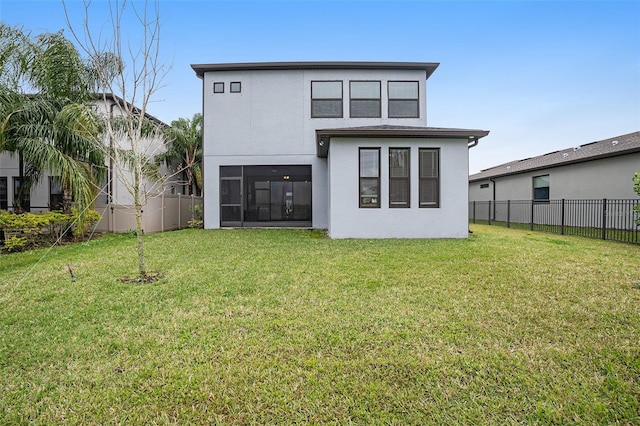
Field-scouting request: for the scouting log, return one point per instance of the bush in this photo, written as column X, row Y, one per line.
column 27, row 230
column 15, row 244
column 197, row 218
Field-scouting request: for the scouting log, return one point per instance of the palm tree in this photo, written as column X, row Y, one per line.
column 184, row 139
column 53, row 129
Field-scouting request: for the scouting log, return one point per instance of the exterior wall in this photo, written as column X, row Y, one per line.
column 269, row 123
column 604, row 178
column 319, row 191
column 347, row 220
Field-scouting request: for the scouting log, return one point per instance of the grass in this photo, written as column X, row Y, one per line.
column 612, row 234
column 289, row 327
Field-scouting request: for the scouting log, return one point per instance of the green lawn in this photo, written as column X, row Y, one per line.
column 284, row 327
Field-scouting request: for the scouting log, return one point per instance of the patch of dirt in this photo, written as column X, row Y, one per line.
column 150, row 278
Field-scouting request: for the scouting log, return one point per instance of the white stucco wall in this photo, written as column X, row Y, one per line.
column 347, row 220
column 269, row 123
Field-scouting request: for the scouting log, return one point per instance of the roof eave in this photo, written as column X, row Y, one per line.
column 427, row 67
column 323, row 136
column 555, row 165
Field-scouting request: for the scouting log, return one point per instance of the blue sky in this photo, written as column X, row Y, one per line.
column 540, row 75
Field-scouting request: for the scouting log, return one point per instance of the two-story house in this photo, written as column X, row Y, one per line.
column 338, row 145
column 114, row 201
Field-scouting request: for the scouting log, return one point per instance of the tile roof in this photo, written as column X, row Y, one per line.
column 619, row 145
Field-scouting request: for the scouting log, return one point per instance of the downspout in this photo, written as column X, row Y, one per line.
column 473, row 141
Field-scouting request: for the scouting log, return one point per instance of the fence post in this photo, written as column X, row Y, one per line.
column 489, row 213
column 474, row 211
column 179, row 211
column 508, row 213
column 532, row 209
column 562, row 218
column 162, row 212
column 604, row 218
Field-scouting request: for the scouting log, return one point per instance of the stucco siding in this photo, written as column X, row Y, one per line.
column 602, row 178
column 269, row 123
column 348, row 220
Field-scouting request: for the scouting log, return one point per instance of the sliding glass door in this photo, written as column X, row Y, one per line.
column 265, row 196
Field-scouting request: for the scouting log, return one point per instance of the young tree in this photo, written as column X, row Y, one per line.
column 132, row 71
column 184, row 139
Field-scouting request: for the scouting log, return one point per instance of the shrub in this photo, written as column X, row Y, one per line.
column 197, row 218
column 15, row 244
column 28, row 230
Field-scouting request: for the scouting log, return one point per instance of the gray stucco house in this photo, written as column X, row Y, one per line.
column 595, row 170
column 338, row 145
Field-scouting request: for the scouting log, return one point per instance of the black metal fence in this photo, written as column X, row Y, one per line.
column 606, row 219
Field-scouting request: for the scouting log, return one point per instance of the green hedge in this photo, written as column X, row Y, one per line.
column 27, row 230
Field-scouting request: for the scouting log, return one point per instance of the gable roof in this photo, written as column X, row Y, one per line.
column 323, row 136
column 427, row 67
column 612, row 147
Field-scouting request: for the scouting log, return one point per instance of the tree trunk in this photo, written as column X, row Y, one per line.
column 67, row 198
column 142, row 268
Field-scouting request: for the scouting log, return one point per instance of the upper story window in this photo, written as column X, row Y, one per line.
column 326, row 99
column 365, row 99
column 218, row 87
column 369, row 177
column 403, row 99
column 541, row 188
column 429, row 177
column 235, row 87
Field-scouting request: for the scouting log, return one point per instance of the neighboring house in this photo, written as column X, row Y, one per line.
column 595, row 170
column 114, row 201
column 338, row 145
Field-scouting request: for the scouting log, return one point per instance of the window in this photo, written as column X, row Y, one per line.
column 326, row 99
column 235, row 87
column 218, row 87
column 4, row 202
column 369, row 177
column 403, row 99
column 484, row 185
column 541, row 188
column 55, row 193
column 429, row 191
column 21, row 199
column 399, row 177
column 365, row 99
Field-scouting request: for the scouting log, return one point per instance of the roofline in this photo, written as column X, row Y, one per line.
column 553, row 166
column 427, row 67
column 118, row 100
column 323, row 136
